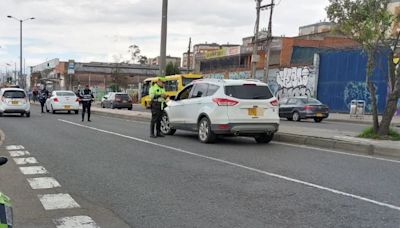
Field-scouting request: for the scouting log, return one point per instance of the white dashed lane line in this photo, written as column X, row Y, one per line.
column 15, row 147
column 43, row 183
column 19, row 153
column 33, row 170
column 57, row 201
column 25, row 161
column 75, row 222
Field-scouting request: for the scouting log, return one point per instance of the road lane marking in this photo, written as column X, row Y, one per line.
column 25, row 161
column 57, row 201
column 289, row 179
column 125, row 120
column 338, row 152
column 43, row 183
column 19, row 153
column 14, row 147
column 75, row 222
column 33, row 170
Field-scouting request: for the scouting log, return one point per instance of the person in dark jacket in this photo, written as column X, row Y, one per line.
column 43, row 95
column 86, row 97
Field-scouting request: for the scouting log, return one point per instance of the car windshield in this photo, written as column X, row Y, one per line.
column 14, row 94
column 248, row 92
column 65, row 94
column 310, row 101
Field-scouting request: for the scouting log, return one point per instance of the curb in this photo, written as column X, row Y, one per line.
column 357, row 122
column 138, row 117
column 328, row 143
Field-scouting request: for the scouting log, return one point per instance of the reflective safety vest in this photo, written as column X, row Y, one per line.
column 6, row 217
column 155, row 93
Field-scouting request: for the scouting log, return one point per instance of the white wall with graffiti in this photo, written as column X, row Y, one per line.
column 293, row 82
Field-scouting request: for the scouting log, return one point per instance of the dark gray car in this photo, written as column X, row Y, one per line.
column 117, row 100
column 299, row 108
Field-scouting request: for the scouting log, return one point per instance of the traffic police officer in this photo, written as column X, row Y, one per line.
column 157, row 96
column 44, row 94
column 86, row 97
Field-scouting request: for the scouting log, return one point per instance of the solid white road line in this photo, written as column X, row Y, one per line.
column 75, row 222
column 25, row 161
column 338, row 152
column 57, row 201
column 19, row 153
column 308, row 184
column 14, row 147
column 33, row 170
column 43, row 183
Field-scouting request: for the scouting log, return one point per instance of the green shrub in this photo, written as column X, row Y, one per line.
column 369, row 134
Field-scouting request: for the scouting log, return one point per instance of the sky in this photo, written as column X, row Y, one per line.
column 99, row 30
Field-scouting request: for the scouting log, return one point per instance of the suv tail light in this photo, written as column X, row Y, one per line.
column 307, row 107
column 225, row 102
column 55, row 99
column 274, row 102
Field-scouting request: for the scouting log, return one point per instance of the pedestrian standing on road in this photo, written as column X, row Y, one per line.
column 43, row 95
column 35, row 94
column 157, row 96
column 86, row 97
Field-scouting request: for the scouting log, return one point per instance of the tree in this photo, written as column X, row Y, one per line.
column 172, row 69
column 135, row 56
column 370, row 24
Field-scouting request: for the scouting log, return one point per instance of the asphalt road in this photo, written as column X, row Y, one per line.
column 178, row 182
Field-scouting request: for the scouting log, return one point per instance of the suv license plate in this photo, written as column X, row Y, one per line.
column 67, row 106
column 255, row 112
column 14, row 102
column 320, row 115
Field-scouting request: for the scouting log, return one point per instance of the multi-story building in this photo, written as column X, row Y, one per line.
column 156, row 61
column 188, row 59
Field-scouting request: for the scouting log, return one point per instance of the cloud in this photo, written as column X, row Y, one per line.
column 90, row 29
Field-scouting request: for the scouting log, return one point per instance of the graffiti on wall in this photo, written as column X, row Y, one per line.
column 294, row 82
column 239, row 75
column 358, row 91
column 215, row 76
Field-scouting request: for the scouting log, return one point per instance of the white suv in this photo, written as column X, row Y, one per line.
column 13, row 100
column 223, row 107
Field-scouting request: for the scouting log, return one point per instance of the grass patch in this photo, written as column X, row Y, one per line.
column 369, row 134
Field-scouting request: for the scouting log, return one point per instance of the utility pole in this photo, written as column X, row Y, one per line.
column 269, row 42
column 163, row 50
column 255, row 58
column 188, row 55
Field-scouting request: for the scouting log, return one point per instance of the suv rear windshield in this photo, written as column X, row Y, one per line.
column 122, row 96
column 65, row 94
column 248, row 92
column 14, row 94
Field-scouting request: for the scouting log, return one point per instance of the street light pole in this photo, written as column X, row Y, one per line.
column 163, row 49
column 255, row 57
column 20, row 47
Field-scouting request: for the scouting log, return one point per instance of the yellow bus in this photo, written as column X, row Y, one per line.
column 173, row 84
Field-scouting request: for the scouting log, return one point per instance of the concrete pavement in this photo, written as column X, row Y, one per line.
column 179, row 182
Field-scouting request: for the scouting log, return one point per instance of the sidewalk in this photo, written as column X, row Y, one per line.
column 323, row 138
column 339, row 117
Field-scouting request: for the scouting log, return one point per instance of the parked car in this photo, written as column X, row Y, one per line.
column 104, row 98
column 298, row 108
column 117, row 100
column 14, row 100
column 61, row 100
column 223, row 107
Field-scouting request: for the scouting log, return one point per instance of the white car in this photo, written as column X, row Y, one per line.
column 14, row 100
column 223, row 107
column 61, row 100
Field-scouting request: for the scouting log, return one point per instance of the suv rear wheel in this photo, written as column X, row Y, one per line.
column 264, row 138
column 205, row 133
column 165, row 125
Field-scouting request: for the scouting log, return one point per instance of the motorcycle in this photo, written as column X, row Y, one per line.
column 6, row 215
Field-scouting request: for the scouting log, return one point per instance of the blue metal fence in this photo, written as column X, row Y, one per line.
column 342, row 78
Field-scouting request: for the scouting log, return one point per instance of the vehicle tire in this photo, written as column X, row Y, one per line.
column 205, row 133
column 47, row 110
column 264, row 138
column 296, row 116
column 22, row 114
column 1, row 114
column 318, row 120
column 28, row 114
column 69, row 112
column 147, row 105
column 102, row 105
column 112, row 106
column 52, row 110
column 130, row 109
column 76, row 112
column 165, row 125
column 289, row 119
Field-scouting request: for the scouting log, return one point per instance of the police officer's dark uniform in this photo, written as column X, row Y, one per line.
column 157, row 96
column 44, row 94
column 86, row 97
